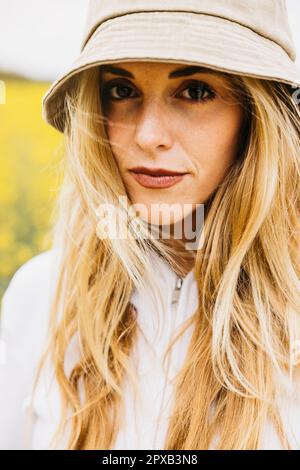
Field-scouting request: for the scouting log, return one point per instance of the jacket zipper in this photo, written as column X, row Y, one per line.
column 174, row 301
column 176, row 291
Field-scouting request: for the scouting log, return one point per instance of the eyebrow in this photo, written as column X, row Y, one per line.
column 181, row 72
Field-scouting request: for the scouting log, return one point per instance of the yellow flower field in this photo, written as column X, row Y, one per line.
column 30, row 152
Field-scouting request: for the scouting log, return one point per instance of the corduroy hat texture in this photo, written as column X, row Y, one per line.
column 248, row 37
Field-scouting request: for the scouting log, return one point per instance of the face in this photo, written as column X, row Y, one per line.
column 172, row 118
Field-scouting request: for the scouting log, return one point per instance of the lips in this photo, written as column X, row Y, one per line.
column 156, row 171
column 157, row 179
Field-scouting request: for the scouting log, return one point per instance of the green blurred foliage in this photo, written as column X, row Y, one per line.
column 30, row 154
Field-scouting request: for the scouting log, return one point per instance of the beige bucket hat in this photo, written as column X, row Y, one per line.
column 249, row 37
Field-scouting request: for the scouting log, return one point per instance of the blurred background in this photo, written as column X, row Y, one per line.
column 39, row 39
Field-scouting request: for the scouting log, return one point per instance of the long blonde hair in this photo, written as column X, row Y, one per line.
column 247, row 273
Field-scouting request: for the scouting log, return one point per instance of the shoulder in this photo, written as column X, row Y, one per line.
column 26, row 301
column 24, row 320
column 36, row 273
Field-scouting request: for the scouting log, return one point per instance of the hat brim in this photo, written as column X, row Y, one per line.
column 190, row 38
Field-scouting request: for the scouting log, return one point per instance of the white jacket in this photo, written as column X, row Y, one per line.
column 24, row 321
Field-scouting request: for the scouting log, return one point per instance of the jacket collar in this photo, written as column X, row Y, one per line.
column 145, row 299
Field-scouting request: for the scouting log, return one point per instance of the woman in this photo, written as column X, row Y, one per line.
column 156, row 341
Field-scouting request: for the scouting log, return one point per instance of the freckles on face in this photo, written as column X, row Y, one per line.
column 189, row 124
column 212, row 142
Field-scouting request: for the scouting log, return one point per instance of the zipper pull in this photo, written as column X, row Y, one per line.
column 176, row 291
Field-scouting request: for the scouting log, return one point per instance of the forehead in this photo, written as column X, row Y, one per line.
column 141, row 65
column 135, row 69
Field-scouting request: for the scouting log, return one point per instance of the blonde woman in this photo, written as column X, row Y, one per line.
column 151, row 340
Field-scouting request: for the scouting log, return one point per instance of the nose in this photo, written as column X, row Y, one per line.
column 153, row 128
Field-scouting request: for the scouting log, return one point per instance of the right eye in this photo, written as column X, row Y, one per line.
column 117, row 91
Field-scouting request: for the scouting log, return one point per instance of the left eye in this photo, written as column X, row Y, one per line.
column 198, row 92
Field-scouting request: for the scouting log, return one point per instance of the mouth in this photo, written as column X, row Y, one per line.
column 156, row 178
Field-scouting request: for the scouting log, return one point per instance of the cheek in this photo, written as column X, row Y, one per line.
column 213, row 141
column 115, row 120
column 229, row 126
column 119, row 137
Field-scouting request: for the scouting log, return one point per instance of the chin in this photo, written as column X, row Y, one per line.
column 162, row 214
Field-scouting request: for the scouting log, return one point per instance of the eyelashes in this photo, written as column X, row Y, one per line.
column 120, row 90
column 201, row 92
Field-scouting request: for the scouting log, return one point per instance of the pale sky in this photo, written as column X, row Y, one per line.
column 40, row 38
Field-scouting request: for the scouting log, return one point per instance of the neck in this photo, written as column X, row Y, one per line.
column 182, row 258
